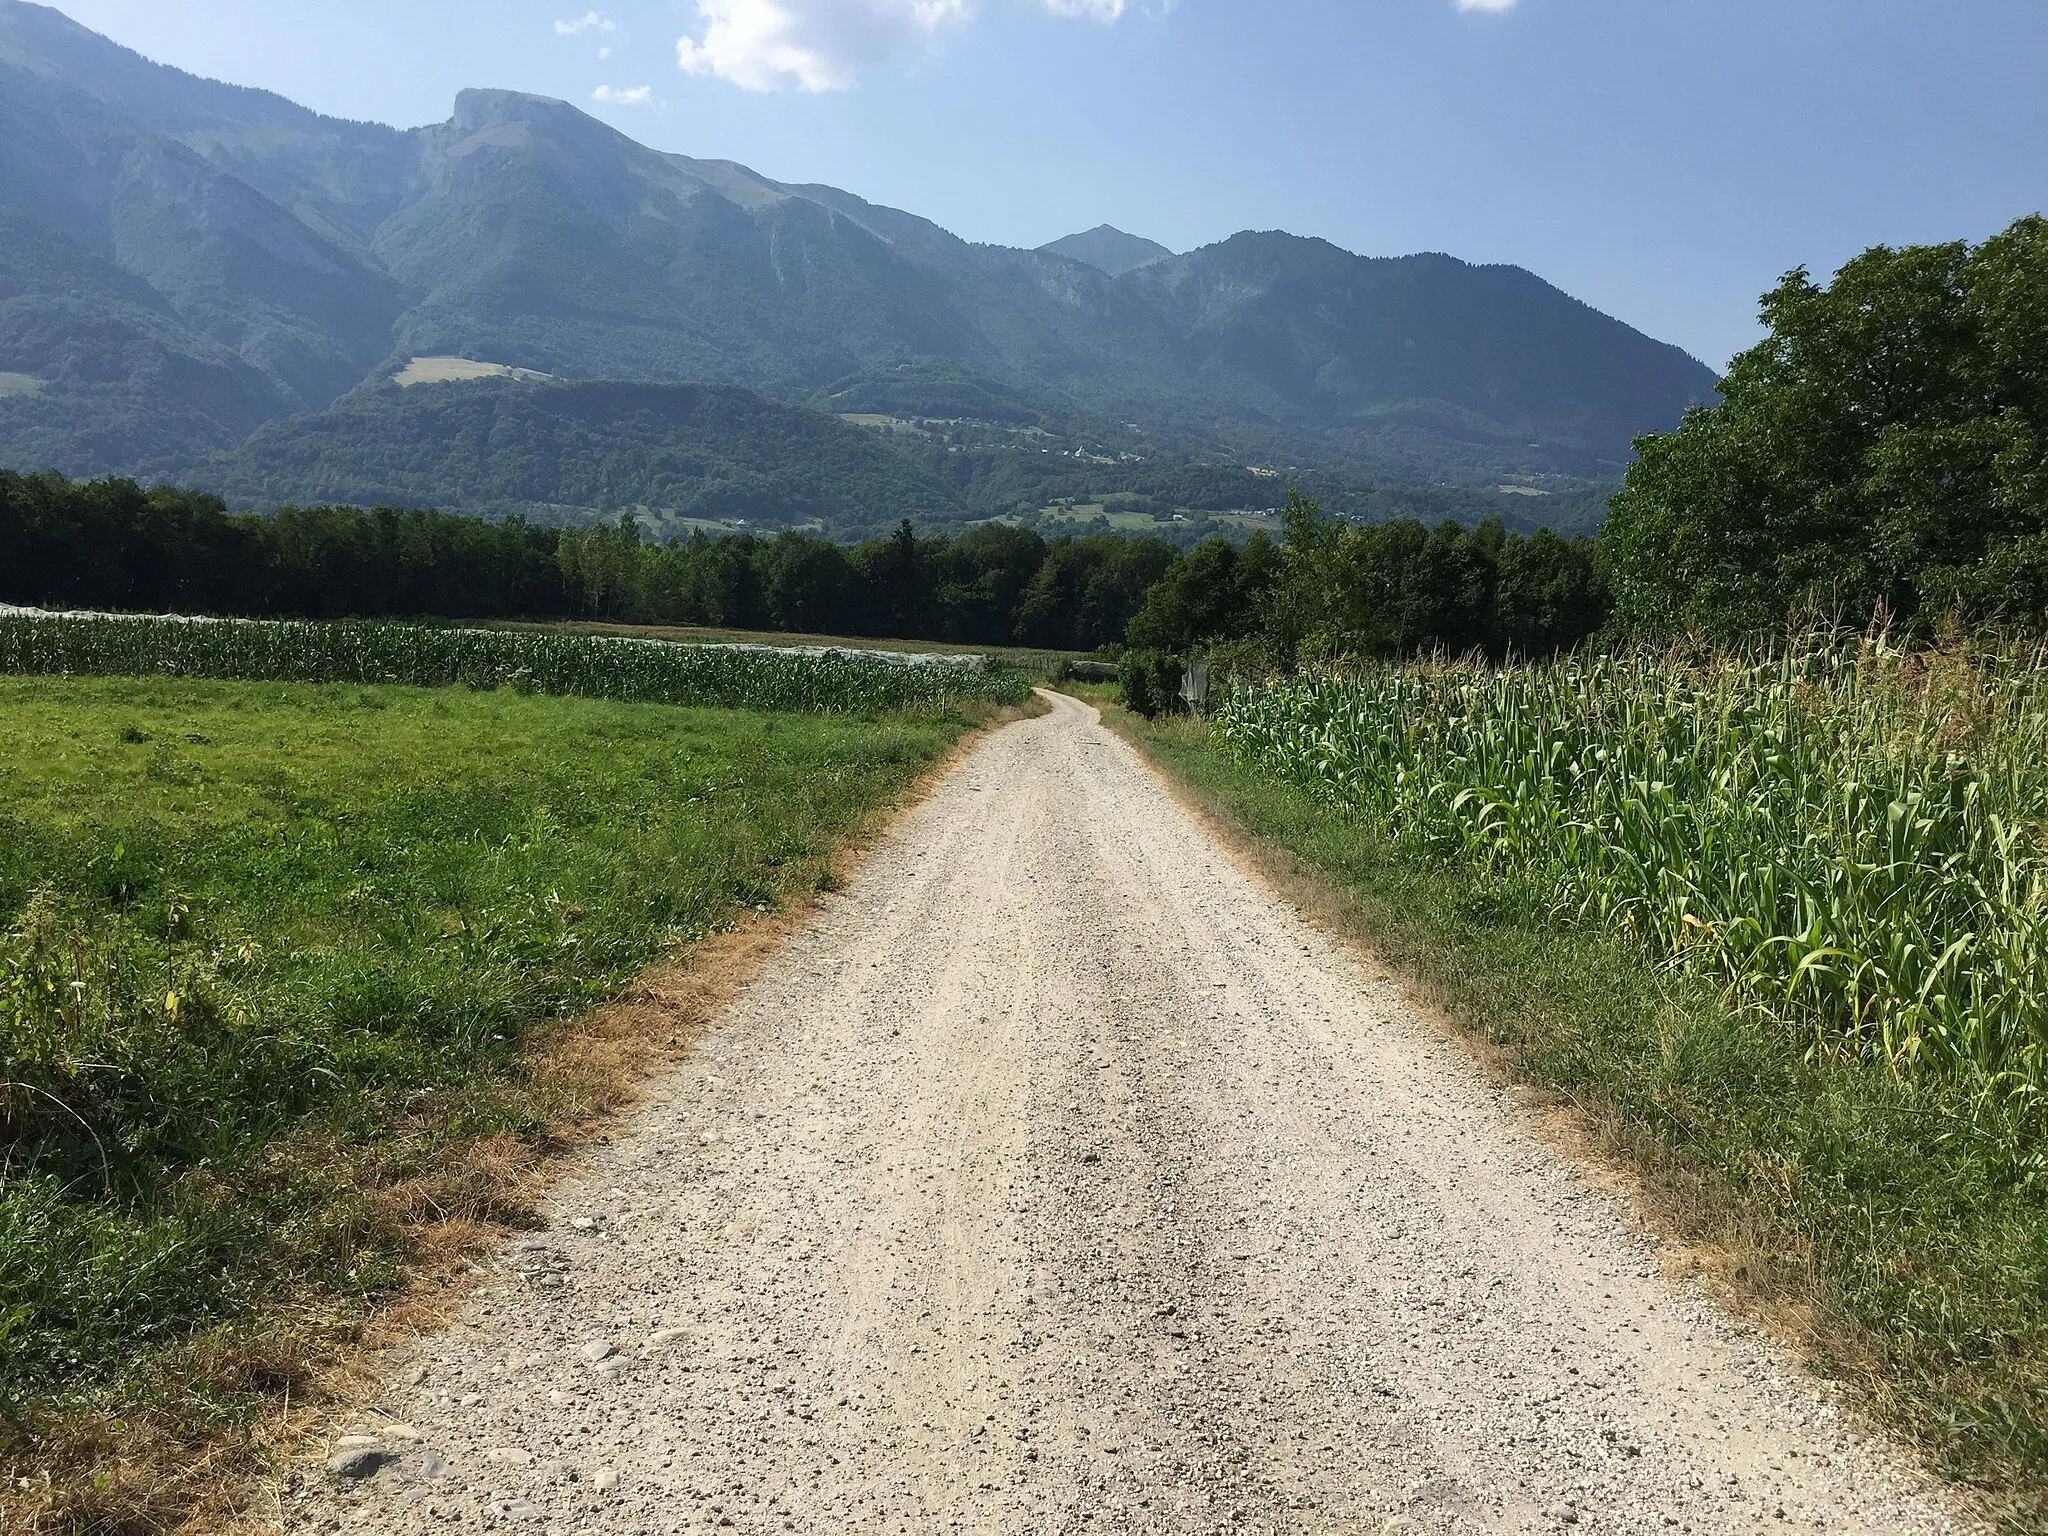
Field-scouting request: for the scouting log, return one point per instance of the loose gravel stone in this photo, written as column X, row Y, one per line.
column 358, row 1461
column 1319, row 1278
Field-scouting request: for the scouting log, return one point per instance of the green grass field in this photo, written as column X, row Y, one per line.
column 1908, row 1254
column 266, row 946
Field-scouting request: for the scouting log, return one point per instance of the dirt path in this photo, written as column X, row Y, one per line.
column 1059, row 1179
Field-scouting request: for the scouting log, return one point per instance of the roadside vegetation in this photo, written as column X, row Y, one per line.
column 1840, row 837
column 279, row 963
column 1729, row 824
column 1893, row 1225
column 1333, row 590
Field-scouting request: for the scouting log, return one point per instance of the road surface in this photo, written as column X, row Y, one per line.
column 1058, row 1178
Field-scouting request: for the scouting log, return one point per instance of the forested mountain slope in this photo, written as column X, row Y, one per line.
column 183, row 260
column 568, row 452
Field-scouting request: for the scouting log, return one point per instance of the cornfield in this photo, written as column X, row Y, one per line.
column 590, row 666
column 1845, row 837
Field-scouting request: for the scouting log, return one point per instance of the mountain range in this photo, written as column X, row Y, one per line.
column 185, row 262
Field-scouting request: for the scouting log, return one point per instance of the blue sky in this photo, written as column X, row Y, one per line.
column 1664, row 160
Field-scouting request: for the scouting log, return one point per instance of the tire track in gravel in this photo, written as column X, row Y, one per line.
column 1059, row 1179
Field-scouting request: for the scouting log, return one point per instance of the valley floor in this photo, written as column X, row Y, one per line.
column 1059, row 1177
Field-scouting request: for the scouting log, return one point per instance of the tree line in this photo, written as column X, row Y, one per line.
column 1332, row 590
column 993, row 585
column 114, row 544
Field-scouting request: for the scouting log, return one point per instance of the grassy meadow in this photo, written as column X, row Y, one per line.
column 1773, row 928
column 268, row 949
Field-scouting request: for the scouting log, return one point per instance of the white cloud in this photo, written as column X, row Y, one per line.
column 589, row 21
column 624, row 95
column 1493, row 7
column 824, row 45
column 605, row 52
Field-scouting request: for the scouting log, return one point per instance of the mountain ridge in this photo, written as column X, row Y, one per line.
column 1109, row 249
column 289, row 257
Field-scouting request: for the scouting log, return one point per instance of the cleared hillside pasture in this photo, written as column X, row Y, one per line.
column 1832, row 1066
column 460, row 370
column 272, row 962
column 533, row 661
column 16, row 384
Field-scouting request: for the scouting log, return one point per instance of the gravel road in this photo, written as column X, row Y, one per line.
column 1057, row 1178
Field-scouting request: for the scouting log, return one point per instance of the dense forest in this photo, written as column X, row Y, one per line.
column 112, row 544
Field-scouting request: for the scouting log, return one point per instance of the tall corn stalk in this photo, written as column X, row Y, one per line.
column 1848, row 837
column 590, row 666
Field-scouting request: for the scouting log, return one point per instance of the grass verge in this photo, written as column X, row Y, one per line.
column 295, row 1004
column 1848, row 1212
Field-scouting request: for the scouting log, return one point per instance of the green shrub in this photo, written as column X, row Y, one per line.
column 1151, row 682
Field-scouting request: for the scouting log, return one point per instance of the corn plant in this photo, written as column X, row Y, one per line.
column 1848, row 838
column 591, row 666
